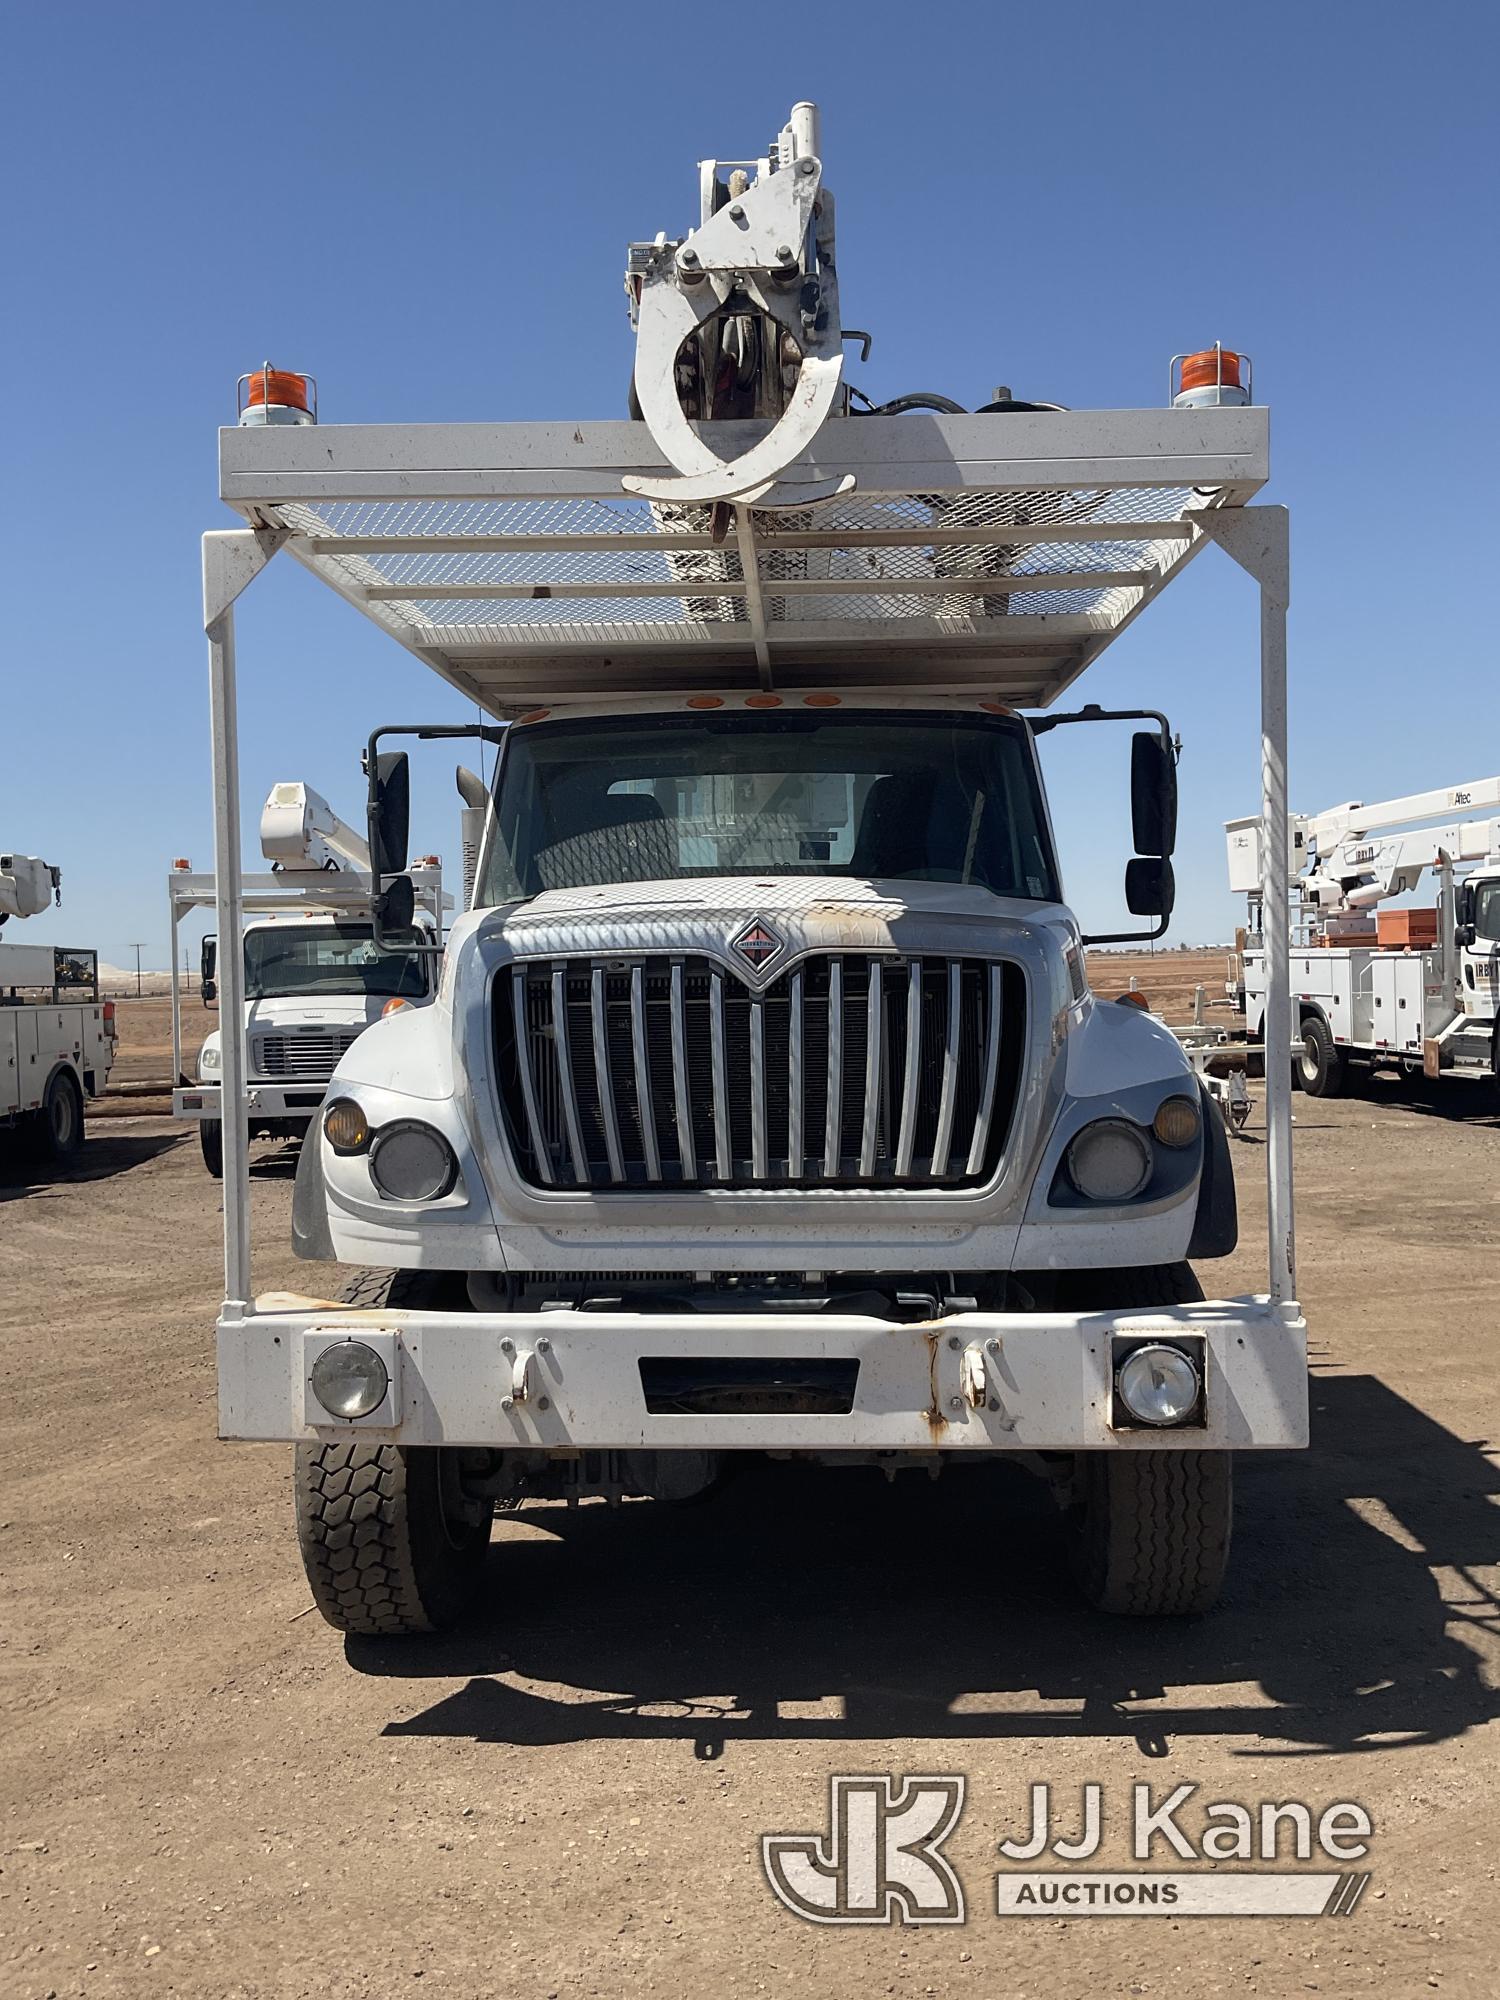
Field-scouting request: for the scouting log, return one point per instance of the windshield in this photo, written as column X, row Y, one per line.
column 328, row 958
column 1487, row 911
column 897, row 795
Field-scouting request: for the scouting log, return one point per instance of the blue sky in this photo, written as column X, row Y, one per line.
column 428, row 208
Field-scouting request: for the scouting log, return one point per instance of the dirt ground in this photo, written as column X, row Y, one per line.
column 204, row 1791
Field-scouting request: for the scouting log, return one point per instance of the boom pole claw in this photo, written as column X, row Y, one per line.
column 755, row 286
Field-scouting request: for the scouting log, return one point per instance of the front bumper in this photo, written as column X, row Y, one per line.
column 571, row 1380
column 265, row 1100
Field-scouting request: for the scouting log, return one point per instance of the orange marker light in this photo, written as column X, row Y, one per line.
column 1209, row 367
column 277, row 385
column 822, row 701
column 533, row 715
column 394, row 1006
column 704, row 701
column 762, row 701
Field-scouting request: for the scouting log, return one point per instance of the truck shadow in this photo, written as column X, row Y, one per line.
column 813, row 1604
column 99, row 1160
column 1461, row 1103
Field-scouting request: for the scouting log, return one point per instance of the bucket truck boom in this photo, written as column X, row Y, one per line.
column 1412, row 989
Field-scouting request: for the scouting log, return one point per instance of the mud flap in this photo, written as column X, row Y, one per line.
column 311, row 1237
column 1216, row 1224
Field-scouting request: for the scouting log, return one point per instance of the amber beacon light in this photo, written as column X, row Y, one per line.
column 276, row 396
column 1214, row 375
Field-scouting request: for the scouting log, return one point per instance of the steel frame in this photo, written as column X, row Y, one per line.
column 1219, row 454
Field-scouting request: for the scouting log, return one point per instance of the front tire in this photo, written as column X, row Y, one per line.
column 1148, row 1531
column 390, row 1541
column 1318, row 1065
column 211, row 1138
column 57, row 1134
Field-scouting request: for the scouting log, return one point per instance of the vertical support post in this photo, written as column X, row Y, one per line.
column 176, row 918
column 230, row 560
column 1277, row 883
column 1258, row 539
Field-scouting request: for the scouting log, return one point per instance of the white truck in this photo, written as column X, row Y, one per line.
column 764, row 1106
column 1398, row 992
column 57, row 1037
column 314, row 978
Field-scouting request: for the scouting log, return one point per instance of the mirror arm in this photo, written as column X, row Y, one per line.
column 424, row 732
column 1127, row 937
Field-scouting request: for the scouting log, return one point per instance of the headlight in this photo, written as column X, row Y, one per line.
column 345, row 1126
column 350, row 1379
column 208, row 1061
column 1176, row 1122
column 411, row 1162
column 1109, row 1160
column 1158, row 1384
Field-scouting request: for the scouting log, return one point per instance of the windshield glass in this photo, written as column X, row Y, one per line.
column 897, row 795
column 328, row 958
column 1487, row 910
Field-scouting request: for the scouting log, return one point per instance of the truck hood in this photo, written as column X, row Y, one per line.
column 798, row 912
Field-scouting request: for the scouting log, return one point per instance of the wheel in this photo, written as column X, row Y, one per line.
column 57, row 1129
column 1318, row 1066
column 211, row 1138
column 390, row 1541
column 1148, row 1531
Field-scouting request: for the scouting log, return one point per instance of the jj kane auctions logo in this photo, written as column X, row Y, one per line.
column 881, row 1861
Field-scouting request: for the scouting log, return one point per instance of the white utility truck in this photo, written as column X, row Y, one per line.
column 314, row 978
column 1409, row 989
column 764, row 1107
column 57, row 1037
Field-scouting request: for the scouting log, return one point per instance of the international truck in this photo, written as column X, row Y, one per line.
column 57, row 1035
column 314, row 978
column 1414, row 988
column 764, row 1106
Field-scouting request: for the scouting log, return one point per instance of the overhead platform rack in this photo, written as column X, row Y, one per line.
column 996, row 554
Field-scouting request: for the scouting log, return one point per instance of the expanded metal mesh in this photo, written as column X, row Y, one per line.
column 533, row 582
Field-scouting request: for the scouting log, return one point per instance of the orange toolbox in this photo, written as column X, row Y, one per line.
column 1416, row 930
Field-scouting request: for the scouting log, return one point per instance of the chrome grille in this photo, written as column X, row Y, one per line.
column 848, row 1070
column 304, row 1055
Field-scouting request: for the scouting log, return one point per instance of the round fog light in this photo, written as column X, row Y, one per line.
column 349, row 1379
column 1158, row 1384
column 1109, row 1160
column 345, row 1126
column 411, row 1162
column 1176, row 1121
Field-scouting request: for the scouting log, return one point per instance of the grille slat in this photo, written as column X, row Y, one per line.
column 721, row 1075
column 942, row 1138
column 603, row 1076
column 851, row 1069
column 874, row 1049
column 641, row 1063
column 563, row 1053
column 987, row 1098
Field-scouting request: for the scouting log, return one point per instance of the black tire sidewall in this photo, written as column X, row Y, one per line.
column 60, row 1146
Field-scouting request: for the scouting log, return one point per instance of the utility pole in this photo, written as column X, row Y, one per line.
column 137, row 949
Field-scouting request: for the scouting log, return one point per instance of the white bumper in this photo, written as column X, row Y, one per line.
column 565, row 1379
column 265, row 1100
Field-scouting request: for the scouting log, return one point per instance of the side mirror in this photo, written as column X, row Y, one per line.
column 1153, row 797
column 390, row 812
column 396, row 906
column 1150, row 888
column 210, row 992
column 208, row 960
column 1464, row 936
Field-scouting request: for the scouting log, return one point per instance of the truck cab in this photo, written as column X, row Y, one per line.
column 314, row 981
